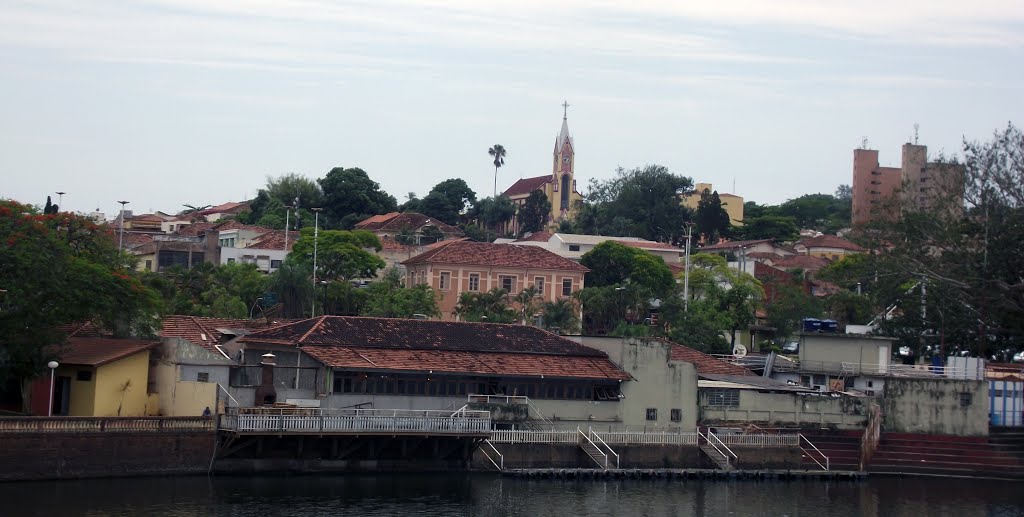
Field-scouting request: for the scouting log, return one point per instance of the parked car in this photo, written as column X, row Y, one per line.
column 791, row 347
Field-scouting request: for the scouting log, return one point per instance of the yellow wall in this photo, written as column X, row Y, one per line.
column 82, row 396
column 191, row 398
column 122, row 383
column 141, row 264
column 732, row 203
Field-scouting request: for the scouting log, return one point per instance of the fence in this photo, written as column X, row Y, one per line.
column 355, row 421
column 84, row 424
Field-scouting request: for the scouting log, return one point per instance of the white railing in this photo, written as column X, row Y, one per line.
column 641, row 438
column 592, row 450
column 594, row 438
column 815, row 449
column 88, row 424
column 475, row 398
column 356, row 420
column 500, row 464
column 725, row 451
column 524, row 436
column 760, row 440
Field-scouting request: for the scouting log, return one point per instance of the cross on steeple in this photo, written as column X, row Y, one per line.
column 565, row 110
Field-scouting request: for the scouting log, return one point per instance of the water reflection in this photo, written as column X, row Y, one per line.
column 489, row 495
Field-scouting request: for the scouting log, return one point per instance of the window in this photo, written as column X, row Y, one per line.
column 275, row 264
column 966, row 399
column 566, row 287
column 652, row 414
column 423, row 277
column 203, row 377
column 677, row 415
column 538, row 282
column 231, row 260
column 574, row 247
column 474, row 281
column 149, row 265
column 508, row 283
column 445, row 281
column 871, row 384
column 723, row 397
column 84, row 375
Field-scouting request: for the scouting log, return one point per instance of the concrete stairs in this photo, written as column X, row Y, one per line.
column 841, row 447
column 718, row 457
column 918, row 454
column 595, row 453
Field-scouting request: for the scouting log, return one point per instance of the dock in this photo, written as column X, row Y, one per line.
column 686, row 474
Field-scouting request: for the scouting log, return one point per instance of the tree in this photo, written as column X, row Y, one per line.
column 495, row 212
column 711, row 218
column 225, row 291
column 349, row 196
column 614, row 264
column 50, row 208
column 341, row 254
column 57, row 269
column 528, row 300
column 388, row 298
column 498, row 153
column 267, row 209
column 776, row 227
column 448, row 200
column 821, row 212
column 642, row 202
column 844, row 193
column 721, row 296
column 560, row 316
column 489, row 307
column 534, row 212
column 790, row 306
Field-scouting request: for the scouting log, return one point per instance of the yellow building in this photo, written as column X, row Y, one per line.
column 732, row 203
column 100, row 376
column 559, row 186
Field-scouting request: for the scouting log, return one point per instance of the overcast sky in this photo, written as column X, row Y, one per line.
column 164, row 103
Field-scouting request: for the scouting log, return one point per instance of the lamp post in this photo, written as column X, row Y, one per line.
column 60, row 199
column 686, row 268
column 287, row 223
column 120, row 239
column 52, row 365
column 316, row 235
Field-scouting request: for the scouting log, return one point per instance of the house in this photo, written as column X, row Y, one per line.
column 98, row 376
column 827, row 246
column 559, row 186
column 749, row 248
column 414, row 225
column 216, row 213
column 383, row 363
column 192, row 368
column 266, row 251
column 574, row 246
column 453, row 268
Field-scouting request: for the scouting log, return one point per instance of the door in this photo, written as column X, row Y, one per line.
column 61, row 395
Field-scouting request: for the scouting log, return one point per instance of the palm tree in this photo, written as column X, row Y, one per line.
column 498, row 152
column 527, row 303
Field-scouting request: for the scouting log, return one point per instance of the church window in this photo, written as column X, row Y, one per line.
column 565, row 191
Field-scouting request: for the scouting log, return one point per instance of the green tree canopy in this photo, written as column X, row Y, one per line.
column 778, row 227
column 341, row 254
column 534, row 212
column 642, row 202
column 488, row 307
column 448, row 200
column 494, row 212
column 389, row 298
column 291, row 189
column 349, row 196
column 711, row 218
column 612, row 264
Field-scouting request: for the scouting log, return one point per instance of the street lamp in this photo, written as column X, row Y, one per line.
column 60, row 199
column 316, row 234
column 120, row 240
column 52, row 365
column 287, row 222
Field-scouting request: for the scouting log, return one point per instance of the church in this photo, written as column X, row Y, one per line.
column 559, row 186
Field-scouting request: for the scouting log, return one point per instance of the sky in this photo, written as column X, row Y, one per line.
column 165, row 103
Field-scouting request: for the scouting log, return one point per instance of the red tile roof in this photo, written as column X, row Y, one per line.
column 541, row 236
column 230, row 207
column 396, row 222
column 133, row 239
column 452, row 361
column 829, row 241
column 500, row 255
column 527, row 185
column 729, row 245
column 798, row 261
column 274, row 240
column 704, row 363
column 195, row 328
column 195, row 229
column 649, row 245
column 97, row 351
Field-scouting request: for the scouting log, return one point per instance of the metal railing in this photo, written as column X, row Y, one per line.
column 355, row 420
column 500, row 464
column 711, row 438
column 806, row 451
column 760, row 440
column 86, row 424
column 652, row 438
column 527, row 436
column 595, row 439
column 592, row 450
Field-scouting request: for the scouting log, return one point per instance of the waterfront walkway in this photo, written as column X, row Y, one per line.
column 576, row 473
column 277, row 421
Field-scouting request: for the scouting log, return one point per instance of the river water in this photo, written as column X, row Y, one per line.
column 410, row 495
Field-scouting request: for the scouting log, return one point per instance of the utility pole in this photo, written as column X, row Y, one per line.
column 60, row 199
column 287, row 221
column 686, row 269
column 120, row 239
column 316, row 235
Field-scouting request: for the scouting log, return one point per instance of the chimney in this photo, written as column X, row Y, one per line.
column 266, row 395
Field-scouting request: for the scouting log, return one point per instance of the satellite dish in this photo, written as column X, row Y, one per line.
column 739, row 351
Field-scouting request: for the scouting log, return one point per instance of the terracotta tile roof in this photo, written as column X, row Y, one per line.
column 704, row 363
column 390, row 244
column 147, row 218
column 97, row 351
column 274, row 240
column 195, row 229
column 527, row 185
column 500, row 255
column 454, row 361
column 396, row 222
column 798, row 261
column 829, row 241
column 541, row 236
column 731, row 245
column 649, row 245
column 195, row 328
column 133, row 239
column 230, row 207
column 393, row 333
column 83, row 329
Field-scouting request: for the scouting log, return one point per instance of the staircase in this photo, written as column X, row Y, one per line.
column 717, row 456
column 592, row 450
column 841, row 447
column 1001, row 456
column 716, row 450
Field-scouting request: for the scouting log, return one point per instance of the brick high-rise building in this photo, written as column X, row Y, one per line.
column 917, row 184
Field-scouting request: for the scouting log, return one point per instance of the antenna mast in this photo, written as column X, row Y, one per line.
column 915, row 132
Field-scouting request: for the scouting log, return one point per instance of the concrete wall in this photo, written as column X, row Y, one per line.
column 658, row 382
column 178, row 364
column 121, row 386
column 830, row 351
column 546, row 455
column 789, row 409
column 936, row 406
column 89, row 455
